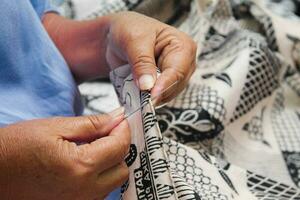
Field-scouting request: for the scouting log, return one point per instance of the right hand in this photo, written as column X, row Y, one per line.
column 42, row 159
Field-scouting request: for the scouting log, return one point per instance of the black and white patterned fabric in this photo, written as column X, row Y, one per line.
column 234, row 132
column 167, row 10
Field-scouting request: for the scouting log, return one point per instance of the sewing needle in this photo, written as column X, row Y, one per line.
column 152, row 99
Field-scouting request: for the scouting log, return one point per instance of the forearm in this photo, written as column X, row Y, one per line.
column 82, row 43
column 5, row 174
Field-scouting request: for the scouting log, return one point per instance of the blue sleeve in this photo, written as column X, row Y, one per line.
column 42, row 6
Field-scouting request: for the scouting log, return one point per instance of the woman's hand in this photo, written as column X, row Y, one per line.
column 93, row 47
column 146, row 44
column 41, row 159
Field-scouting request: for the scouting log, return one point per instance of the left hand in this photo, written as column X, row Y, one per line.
column 146, row 44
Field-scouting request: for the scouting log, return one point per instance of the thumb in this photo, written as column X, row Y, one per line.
column 89, row 128
column 140, row 54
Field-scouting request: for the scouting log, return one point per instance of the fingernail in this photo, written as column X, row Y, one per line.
column 146, row 82
column 117, row 112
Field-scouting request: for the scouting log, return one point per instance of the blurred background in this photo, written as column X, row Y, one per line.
column 168, row 11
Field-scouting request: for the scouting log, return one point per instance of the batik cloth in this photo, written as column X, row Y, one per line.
column 166, row 10
column 234, row 132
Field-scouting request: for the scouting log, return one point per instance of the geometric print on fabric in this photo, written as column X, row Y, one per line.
column 285, row 124
column 219, row 14
column 144, row 179
column 108, row 7
column 201, row 96
column 267, row 189
column 267, row 27
column 187, row 169
column 269, row 31
column 184, row 190
column 292, row 160
column 187, row 125
column 294, row 82
column 150, row 174
column 234, row 43
column 296, row 49
column 222, row 10
column 255, row 130
column 214, row 49
column 213, row 41
column 261, row 81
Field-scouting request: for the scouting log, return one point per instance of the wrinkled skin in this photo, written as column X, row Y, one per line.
column 95, row 47
column 82, row 157
column 39, row 159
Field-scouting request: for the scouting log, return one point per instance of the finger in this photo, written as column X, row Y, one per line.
column 177, row 61
column 89, row 128
column 168, row 90
column 112, row 178
column 114, row 58
column 108, row 151
column 140, row 53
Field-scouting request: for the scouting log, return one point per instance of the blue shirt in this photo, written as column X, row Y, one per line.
column 35, row 81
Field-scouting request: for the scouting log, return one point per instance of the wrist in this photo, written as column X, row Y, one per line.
column 82, row 44
column 53, row 24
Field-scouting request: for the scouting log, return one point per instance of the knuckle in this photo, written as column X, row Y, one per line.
column 83, row 164
column 176, row 44
column 175, row 37
column 80, row 170
column 65, row 158
column 134, row 35
column 170, row 30
column 180, row 75
column 143, row 61
column 94, row 121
